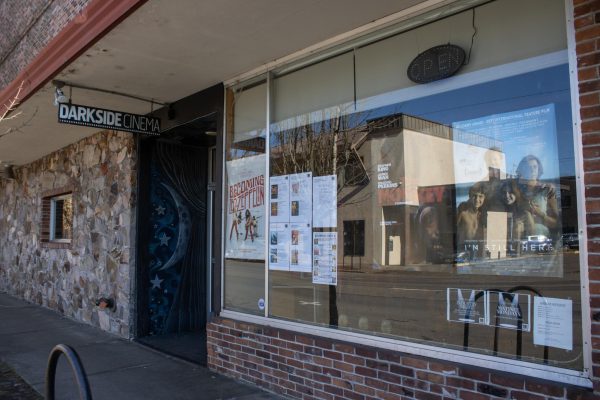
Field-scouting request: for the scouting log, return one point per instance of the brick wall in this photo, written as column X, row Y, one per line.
column 27, row 27
column 306, row 367
column 587, row 36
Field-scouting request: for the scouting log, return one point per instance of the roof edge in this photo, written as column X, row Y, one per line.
column 85, row 29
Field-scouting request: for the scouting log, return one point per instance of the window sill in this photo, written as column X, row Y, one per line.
column 57, row 245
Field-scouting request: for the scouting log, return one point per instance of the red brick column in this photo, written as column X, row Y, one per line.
column 587, row 36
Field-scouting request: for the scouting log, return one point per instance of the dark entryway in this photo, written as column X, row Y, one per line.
column 174, row 232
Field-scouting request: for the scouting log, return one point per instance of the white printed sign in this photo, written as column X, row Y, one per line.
column 553, row 322
column 279, row 247
column 301, row 197
column 280, row 199
column 300, row 247
column 325, row 258
column 325, row 201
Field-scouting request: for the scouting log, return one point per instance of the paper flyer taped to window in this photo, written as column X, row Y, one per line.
column 279, row 247
column 509, row 310
column 466, row 306
column 325, row 201
column 300, row 247
column 553, row 322
column 280, row 199
column 325, row 258
column 301, row 197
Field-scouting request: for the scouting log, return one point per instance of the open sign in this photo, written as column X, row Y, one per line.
column 436, row 63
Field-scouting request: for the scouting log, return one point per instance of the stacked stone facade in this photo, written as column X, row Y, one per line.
column 70, row 278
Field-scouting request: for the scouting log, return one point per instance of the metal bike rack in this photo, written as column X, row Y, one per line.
column 76, row 366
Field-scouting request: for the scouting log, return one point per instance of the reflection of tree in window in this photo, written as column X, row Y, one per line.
column 354, row 238
column 324, row 147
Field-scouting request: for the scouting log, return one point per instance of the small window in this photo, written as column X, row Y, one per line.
column 57, row 218
column 61, row 218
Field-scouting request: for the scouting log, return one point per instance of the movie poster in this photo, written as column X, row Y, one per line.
column 245, row 229
column 507, row 194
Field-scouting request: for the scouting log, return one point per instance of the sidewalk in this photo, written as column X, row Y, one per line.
column 116, row 368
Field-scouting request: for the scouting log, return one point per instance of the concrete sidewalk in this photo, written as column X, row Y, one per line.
column 116, row 368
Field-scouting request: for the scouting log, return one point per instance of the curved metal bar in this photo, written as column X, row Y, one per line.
column 76, row 367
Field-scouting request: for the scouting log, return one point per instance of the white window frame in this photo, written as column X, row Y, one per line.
column 560, row 375
column 53, row 201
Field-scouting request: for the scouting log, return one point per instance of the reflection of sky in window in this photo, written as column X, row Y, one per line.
column 525, row 91
column 549, row 86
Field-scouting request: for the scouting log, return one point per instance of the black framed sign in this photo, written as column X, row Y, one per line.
column 436, row 63
column 107, row 119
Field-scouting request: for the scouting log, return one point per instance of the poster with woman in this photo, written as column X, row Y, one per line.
column 508, row 211
column 245, row 229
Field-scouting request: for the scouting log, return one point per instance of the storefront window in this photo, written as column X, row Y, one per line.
column 245, row 168
column 444, row 213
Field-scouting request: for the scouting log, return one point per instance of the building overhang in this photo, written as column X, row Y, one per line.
column 164, row 50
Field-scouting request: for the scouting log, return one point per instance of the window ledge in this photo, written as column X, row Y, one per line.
column 57, row 245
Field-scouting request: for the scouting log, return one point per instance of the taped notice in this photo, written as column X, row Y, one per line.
column 553, row 322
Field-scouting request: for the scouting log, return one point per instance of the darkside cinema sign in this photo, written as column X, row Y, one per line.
column 107, row 119
column 436, row 63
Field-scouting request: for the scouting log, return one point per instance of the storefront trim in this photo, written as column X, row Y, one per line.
column 584, row 278
column 554, row 374
column 330, row 48
column 325, row 49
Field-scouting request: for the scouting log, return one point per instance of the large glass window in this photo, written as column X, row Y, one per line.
column 444, row 213
column 244, row 211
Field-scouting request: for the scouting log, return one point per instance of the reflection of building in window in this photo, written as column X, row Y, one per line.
column 354, row 238
column 61, row 220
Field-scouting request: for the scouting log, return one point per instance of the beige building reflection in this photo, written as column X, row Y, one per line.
column 418, row 207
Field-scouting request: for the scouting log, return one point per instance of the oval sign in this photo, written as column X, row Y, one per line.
column 436, row 63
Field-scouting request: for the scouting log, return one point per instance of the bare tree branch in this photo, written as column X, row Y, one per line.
column 11, row 106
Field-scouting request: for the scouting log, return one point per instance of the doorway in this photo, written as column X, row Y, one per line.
column 174, row 238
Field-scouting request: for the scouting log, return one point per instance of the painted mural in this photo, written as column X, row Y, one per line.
column 176, row 246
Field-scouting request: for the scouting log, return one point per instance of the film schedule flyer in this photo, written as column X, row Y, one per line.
column 325, row 258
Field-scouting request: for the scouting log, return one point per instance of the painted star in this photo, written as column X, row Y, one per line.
column 156, row 282
column 164, row 239
column 160, row 210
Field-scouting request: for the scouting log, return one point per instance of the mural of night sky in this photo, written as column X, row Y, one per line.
column 177, row 239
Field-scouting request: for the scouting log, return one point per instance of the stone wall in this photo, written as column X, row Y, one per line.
column 100, row 260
